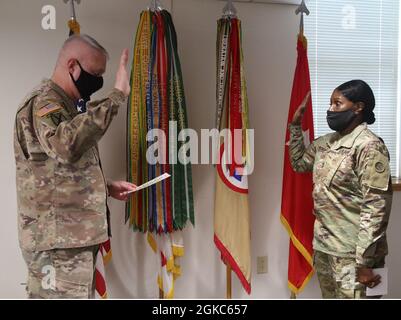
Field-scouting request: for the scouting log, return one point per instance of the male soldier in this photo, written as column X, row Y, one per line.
column 62, row 193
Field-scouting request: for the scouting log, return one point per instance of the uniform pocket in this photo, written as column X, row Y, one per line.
column 335, row 172
column 71, row 290
column 345, row 273
column 74, row 271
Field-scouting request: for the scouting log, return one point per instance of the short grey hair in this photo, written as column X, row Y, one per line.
column 89, row 41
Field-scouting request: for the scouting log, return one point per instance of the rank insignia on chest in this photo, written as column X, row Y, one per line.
column 57, row 118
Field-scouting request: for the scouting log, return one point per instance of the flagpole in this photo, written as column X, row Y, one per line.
column 72, row 22
column 161, row 294
column 229, row 11
column 229, row 288
column 72, row 7
column 302, row 9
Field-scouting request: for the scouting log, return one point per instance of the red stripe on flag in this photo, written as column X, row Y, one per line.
column 164, row 260
column 100, row 283
column 227, row 258
column 106, row 246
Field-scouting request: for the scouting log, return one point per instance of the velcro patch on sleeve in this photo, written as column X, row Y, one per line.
column 379, row 172
column 48, row 109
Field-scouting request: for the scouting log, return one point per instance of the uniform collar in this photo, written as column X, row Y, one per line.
column 68, row 102
column 348, row 140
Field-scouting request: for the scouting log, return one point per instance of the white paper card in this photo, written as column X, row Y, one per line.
column 151, row 182
column 382, row 287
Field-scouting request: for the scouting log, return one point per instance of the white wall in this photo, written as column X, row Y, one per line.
column 28, row 54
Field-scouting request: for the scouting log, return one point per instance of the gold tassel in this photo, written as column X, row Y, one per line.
column 74, row 26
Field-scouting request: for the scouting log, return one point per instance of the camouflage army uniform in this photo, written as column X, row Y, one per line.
column 61, row 273
column 61, row 190
column 352, row 201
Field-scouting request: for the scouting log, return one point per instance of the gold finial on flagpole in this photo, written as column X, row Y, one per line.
column 72, row 22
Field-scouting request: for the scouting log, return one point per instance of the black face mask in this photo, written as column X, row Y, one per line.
column 87, row 83
column 339, row 121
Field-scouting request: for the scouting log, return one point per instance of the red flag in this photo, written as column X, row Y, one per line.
column 296, row 202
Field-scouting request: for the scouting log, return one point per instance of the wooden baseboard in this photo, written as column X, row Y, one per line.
column 396, row 183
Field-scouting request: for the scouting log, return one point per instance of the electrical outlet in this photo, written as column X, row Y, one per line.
column 262, row 265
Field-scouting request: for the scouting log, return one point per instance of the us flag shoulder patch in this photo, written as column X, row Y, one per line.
column 48, row 109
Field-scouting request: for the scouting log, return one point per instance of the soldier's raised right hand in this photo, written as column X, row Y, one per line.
column 122, row 79
column 298, row 115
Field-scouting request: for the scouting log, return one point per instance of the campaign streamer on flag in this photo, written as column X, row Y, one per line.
column 157, row 104
column 157, row 98
column 231, row 213
column 297, row 203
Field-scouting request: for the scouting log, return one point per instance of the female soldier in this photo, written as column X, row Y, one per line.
column 352, row 192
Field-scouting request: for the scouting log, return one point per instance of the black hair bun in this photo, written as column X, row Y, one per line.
column 369, row 117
